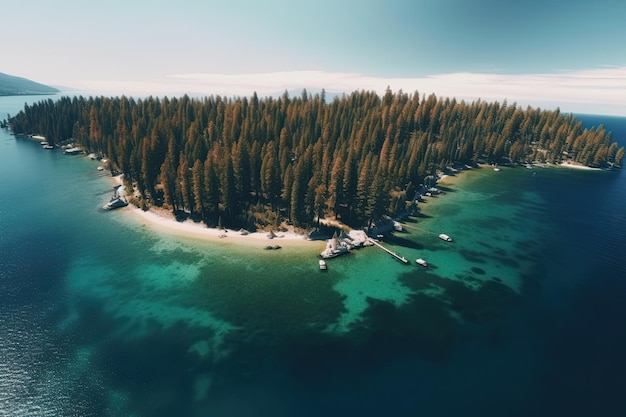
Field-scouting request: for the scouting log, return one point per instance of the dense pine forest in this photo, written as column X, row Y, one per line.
column 255, row 163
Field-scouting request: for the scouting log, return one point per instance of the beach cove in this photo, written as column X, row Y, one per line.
column 165, row 221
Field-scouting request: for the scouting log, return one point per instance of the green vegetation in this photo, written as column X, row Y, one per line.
column 17, row 86
column 250, row 162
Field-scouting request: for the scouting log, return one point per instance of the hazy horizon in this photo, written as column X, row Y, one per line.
column 568, row 55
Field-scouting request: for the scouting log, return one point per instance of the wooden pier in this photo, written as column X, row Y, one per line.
column 395, row 255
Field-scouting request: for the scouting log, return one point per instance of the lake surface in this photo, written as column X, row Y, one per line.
column 523, row 314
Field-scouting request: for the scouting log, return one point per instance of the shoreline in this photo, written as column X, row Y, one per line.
column 164, row 221
column 161, row 220
column 575, row 166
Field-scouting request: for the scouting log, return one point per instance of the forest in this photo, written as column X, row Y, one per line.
column 259, row 163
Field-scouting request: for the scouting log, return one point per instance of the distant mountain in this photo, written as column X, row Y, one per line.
column 18, row 86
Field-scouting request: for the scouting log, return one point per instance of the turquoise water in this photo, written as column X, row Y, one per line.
column 102, row 316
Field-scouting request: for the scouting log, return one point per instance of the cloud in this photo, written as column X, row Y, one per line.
column 600, row 91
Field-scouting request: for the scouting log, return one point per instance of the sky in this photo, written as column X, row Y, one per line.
column 569, row 54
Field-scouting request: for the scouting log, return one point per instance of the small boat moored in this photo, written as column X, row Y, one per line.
column 72, row 151
column 116, row 202
column 323, row 266
column 445, row 237
column 421, row 262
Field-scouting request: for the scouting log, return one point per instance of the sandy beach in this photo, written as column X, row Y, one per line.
column 164, row 221
column 575, row 165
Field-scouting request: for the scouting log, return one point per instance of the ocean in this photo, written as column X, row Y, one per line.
column 521, row 315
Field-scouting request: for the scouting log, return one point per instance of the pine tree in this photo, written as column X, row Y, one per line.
column 184, row 181
column 211, row 189
column 227, row 191
column 197, row 177
column 619, row 156
column 168, row 180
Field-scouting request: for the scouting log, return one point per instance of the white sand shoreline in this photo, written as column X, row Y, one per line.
column 576, row 166
column 564, row 164
column 163, row 220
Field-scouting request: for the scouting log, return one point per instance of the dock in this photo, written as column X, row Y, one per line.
column 395, row 255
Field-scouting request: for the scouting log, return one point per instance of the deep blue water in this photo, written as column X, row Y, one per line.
column 522, row 316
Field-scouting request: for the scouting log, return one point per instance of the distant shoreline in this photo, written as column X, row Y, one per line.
column 27, row 94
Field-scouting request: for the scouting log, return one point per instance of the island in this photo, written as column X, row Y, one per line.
column 301, row 163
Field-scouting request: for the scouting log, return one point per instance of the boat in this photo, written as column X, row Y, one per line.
column 397, row 226
column 39, row 137
column 496, row 169
column 421, row 262
column 48, row 147
column 323, row 266
column 72, row 151
column 100, row 168
column 445, row 237
column 116, row 202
